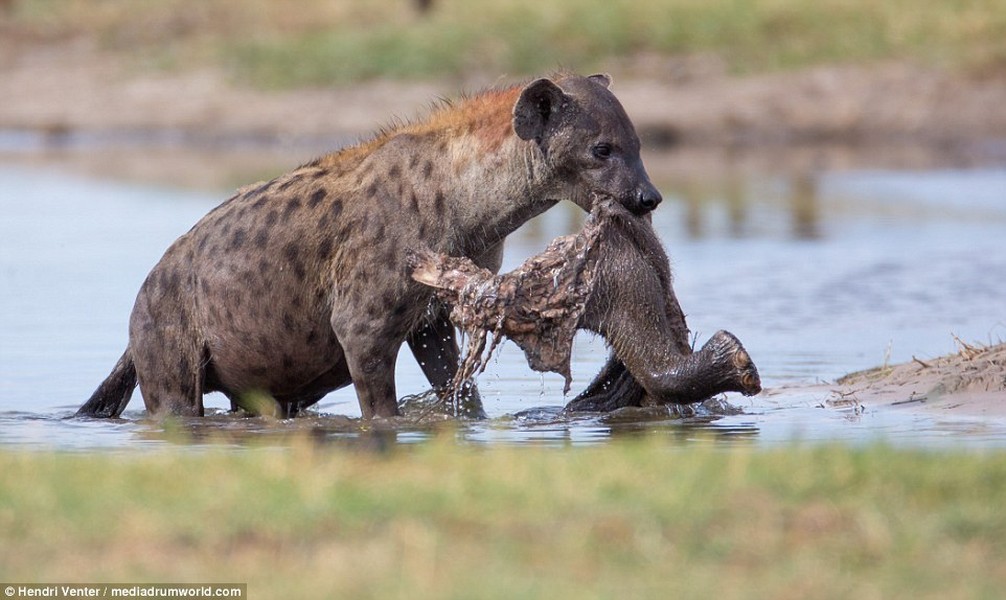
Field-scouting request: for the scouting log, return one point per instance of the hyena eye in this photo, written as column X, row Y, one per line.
column 601, row 151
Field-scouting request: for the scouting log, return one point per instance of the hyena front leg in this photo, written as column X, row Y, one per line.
column 370, row 348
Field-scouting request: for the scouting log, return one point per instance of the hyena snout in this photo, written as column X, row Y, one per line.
column 647, row 198
column 644, row 199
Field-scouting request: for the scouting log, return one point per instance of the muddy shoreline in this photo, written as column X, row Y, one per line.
column 971, row 382
column 72, row 89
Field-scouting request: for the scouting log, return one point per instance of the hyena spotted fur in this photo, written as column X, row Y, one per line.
column 296, row 287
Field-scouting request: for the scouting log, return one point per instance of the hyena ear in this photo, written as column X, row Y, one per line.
column 536, row 109
column 601, row 78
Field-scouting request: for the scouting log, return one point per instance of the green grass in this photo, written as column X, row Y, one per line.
column 629, row 520
column 331, row 41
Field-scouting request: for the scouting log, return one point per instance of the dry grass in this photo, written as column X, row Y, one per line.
column 966, row 350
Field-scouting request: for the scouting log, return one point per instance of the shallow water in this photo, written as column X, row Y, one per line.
column 819, row 273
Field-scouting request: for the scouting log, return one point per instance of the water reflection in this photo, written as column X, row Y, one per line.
column 733, row 207
column 224, row 429
column 691, row 431
column 740, row 199
column 804, row 207
column 543, row 426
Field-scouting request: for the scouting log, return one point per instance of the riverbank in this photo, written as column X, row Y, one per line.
column 969, row 383
column 972, row 381
column 75, row 88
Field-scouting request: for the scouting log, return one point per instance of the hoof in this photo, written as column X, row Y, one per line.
column 743, row 376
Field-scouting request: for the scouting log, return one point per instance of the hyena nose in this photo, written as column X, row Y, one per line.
column 647, row 198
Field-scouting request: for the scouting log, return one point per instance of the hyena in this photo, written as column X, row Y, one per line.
column 298, row 286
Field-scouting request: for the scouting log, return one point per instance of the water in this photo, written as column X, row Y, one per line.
column 819, row 273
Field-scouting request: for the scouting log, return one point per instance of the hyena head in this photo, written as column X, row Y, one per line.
column 587, row 139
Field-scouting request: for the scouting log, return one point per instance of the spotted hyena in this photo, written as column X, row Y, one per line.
column 298, row 286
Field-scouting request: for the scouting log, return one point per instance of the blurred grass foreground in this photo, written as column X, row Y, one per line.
column 312, row 42
column 631, row 519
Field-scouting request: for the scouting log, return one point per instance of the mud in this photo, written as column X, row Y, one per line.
column 973, row 381
column 883, row 103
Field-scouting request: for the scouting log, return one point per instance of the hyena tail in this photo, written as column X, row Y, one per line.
column 112, row 396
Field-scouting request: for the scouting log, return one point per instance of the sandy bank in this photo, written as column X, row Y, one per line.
column 71, row 87
column 971, row 383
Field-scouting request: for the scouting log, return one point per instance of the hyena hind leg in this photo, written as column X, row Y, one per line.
column 171, row 382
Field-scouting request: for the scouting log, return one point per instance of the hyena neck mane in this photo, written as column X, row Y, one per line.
column 465, row 157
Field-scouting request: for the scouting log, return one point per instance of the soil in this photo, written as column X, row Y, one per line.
column 72, row 86
column 971, row 382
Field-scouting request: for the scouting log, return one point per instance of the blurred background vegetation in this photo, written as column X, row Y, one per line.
column 279, row 44
column 636, row 519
